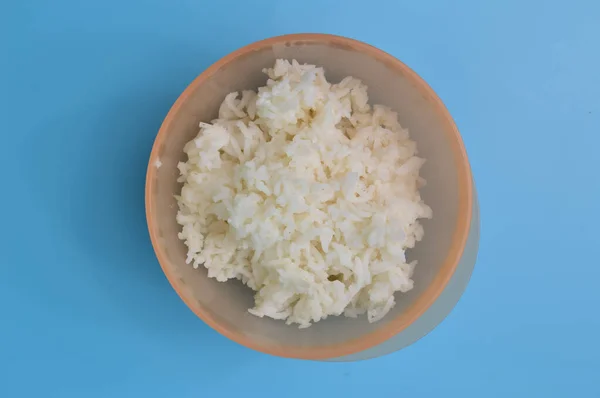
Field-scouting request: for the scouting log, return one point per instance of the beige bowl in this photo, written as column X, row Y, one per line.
column 449, row 192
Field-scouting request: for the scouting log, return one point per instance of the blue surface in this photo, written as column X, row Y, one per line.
column 85, row 310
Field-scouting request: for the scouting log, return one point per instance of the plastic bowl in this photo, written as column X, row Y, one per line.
column 449, row 192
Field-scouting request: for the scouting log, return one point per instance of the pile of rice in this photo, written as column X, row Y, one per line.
column 305, row 193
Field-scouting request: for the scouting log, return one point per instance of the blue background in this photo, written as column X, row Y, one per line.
column 84, row 308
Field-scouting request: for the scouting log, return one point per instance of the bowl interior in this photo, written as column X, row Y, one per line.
column 224, row 305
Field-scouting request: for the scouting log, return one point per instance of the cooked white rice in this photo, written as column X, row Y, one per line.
column 305, row 193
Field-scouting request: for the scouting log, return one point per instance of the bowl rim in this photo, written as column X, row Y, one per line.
column 426, row 298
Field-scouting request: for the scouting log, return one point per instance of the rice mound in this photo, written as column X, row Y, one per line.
column 305, row 193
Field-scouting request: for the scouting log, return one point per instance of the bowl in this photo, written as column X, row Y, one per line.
column 449, row 192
